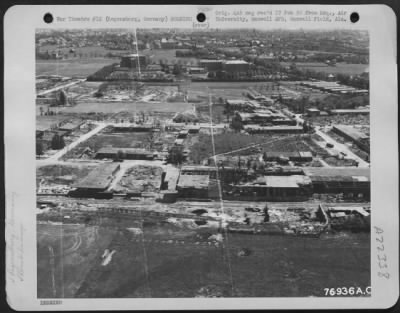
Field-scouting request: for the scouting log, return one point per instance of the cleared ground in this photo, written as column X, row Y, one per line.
column 342, row 68
column 110, row 139
column 167, row 261
column 114, row 107
column 140, row 178
column 61, row 173
column 72, row 67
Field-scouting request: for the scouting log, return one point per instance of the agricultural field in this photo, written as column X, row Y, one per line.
column 162, row 260
column 229, row 141
column 72, row 67
column 226, row 90
column 82, row 52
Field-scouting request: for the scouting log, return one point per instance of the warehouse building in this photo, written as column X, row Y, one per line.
column 351, row 182
column 242, row 104
column 256, row 129
column 193, row 186
column 295, row 156
column 226, row 174
column 272, row 188
column 235, row 66
column 364, row 111
column 352, row 134
column 96, row 182
column 313, row 112
column 124, row 153
column 134, row 61
column 211, row 65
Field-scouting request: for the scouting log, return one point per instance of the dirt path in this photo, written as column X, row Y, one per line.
column 72, row 145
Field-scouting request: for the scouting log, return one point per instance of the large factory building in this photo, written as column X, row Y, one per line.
column 134, row 61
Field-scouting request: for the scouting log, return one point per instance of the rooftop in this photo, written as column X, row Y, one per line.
column 236, row 62
column 193, row 181
column 351, row 131
column 291, row 181
column 124, row 150
column 354, row 172
column 99, row 178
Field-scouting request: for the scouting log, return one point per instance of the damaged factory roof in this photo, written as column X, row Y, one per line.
column 193, row 181
column 292, row 181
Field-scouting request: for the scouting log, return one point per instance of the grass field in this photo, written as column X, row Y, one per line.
column 62, row 174
column 73, row 249
column 167, row 261
column 167, row 56
column 343, row 68
column 114, row 107
column 89, row 51
column 106, row 139
column 72, row 67
column 227, row 142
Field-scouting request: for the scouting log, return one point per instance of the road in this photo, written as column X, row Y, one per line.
column 72, row 145
column 341, row 147
column 42, row 93
column 191, row 205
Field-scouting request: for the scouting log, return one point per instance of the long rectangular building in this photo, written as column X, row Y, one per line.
column 254, row 129
column 124, row 153
column 98, row 179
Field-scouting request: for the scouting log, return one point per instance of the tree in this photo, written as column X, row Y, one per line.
column 236, row 123
column 177, row 70
column 39, row 148
column 120, row 155
column 175, row 155
column 62, row 98
column 227, row 111
column 248, row 164
column 266, row 214
column 57, row 142
column 265, row 157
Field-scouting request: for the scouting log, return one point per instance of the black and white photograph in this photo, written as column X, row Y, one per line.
column 243, row 156
column 220, row 163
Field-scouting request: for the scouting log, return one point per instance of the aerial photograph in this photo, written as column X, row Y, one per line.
column 183, row 163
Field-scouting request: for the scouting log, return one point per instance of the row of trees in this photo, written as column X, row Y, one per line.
column 57, row 143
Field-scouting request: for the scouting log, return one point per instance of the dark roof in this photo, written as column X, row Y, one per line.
column 335, row 173
column 193, row 181
column 113, row 150
column 99, row 178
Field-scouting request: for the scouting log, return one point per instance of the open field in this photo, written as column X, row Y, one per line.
column 167, row 261
column 110, row 139
column 46, row 121
column 84, row 52
column 72, row 67
column 62, row 174
column 342, row 68
column 140, row 178
column 65, row 254
column 230, row 141
column 114, row 107
column 167, row 56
